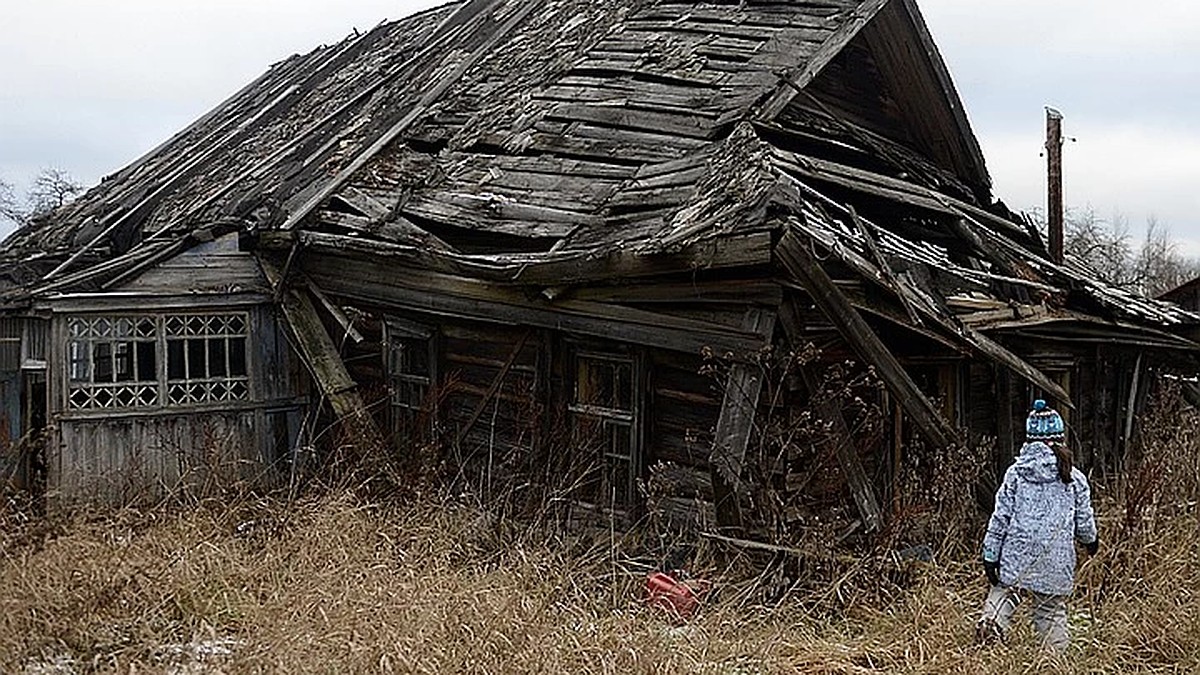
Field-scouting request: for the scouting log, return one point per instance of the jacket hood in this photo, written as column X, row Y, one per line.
column 1037, row 463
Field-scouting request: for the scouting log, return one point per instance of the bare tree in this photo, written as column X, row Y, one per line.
column 51, row 189
column 1107, row 249
column 1104, row 246
column 1159, row 262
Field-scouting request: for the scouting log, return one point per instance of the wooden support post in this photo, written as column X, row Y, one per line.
column 799, row 262
column 321, row 356
column 1054, row 184
column 734, row 425
column 1130, row 408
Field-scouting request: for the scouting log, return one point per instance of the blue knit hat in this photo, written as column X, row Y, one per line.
column 1044, row 423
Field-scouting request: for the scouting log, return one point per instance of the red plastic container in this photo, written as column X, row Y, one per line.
column 672, row 595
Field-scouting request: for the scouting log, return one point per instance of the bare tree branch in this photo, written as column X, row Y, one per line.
column 10, row 210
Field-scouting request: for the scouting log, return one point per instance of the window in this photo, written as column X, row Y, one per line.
column 409, row 362
column 116, row 361
column 206, row 359
column 10, row 344
column 112, row 362
column 604, row 426
column 33, row 347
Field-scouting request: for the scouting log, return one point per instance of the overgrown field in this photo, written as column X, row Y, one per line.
column 333, row 584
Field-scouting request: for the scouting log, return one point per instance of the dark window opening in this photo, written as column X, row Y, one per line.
column 604, row 428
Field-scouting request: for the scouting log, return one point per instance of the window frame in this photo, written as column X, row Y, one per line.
column 85, row 335
column 412, row 338
column 631, row 419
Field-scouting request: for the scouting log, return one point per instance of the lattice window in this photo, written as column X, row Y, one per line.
column 206, row 358
column 603, row 421
column 112, row 362
column 148, row 361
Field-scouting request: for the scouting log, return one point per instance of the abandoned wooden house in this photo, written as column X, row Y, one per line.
column 518, row 230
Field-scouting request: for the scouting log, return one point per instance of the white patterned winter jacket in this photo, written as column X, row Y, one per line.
column 1037, row 519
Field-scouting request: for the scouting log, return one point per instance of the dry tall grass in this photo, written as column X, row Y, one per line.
column 430, row 584
column 335, row 585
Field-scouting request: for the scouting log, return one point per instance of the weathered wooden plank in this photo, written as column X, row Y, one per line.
column 662, row 98
column 794, row 255
column 593, row 148
column 681, row 124
column 321, row 356
column 496, row 216
column 899, row 191
column 397, row 230
column 364, row 203
column 651, row 29
column 383, row 283
column 819, row 16
column 742, row 390
column 647, row 73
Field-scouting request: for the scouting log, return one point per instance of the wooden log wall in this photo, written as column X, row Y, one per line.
column 685, row 405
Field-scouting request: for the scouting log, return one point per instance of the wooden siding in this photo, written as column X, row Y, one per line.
column 212, row 267
column 11, row 469
column 139, row 459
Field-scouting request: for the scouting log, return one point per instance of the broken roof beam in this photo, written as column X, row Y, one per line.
column 794, row 255
column 977, row 341
column 320, row 355
column 905, row 192
column 888, row 276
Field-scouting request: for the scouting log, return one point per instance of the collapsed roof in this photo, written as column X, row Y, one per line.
column 550, row 143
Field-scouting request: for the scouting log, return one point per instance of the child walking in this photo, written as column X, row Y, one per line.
column 1042, row 508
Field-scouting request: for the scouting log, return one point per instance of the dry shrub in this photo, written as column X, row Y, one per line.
column 935, row 503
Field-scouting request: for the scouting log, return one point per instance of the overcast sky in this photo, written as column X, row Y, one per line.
column 89, row 85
